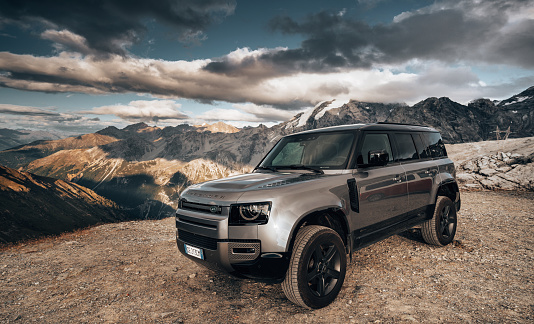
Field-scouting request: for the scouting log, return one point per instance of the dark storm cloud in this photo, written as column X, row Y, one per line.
column 26, row 111
column 110, row 25
column 449, row 31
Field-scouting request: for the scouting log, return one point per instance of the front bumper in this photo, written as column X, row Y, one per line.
column 240, row 257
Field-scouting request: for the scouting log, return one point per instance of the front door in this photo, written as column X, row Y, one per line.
column 383, row 192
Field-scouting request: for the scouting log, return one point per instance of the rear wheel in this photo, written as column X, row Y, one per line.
column 317, row 267
column 441, row 228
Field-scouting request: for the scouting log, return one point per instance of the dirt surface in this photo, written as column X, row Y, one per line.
column 132, row 272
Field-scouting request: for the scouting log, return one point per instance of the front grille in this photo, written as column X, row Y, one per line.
column 192, row 222
column 198, row 240
column 203, row 208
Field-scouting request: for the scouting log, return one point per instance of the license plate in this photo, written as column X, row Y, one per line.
column 193, row 251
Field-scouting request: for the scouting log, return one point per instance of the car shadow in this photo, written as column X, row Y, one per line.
column 413, row 234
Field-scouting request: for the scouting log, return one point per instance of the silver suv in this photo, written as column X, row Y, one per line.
column 317, row 196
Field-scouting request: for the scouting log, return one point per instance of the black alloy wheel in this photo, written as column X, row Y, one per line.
column 441, row 228
column 317, row 267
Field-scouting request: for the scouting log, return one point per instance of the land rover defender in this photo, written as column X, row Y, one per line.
column 317, row 197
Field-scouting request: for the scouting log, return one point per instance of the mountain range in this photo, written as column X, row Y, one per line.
column 144, row 168
column 14, row 137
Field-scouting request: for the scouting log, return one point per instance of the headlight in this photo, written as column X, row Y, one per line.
column 255, row 213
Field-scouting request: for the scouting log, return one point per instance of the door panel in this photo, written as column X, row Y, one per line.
column 419, row 178
column 383, row 194
column 382, row 190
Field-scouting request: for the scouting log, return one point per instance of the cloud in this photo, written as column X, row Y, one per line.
column 248, row 113
column 110, row 26
column 142, row 110
column 27, row 117
column 447, row 31
column 228, row 115
column 70, row 72
column 421, row 53
column 65, row 39
column 25, row 110
column 414, row 80
column 266, row 113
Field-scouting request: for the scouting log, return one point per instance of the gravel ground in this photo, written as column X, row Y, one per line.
column 132, row 272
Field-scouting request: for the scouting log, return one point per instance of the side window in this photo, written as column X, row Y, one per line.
column 435, row 145
column 374, row 142
column 406, row 147
column 420, row 146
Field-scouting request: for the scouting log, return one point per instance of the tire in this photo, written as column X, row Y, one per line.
column 317, row 267
column 441, row 228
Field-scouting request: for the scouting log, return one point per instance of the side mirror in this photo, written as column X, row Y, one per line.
column 378, row 158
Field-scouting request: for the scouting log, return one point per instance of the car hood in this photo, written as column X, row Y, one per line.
column 229, row 190
column 251, row 181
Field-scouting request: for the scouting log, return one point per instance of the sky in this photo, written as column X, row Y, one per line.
column 76, row 67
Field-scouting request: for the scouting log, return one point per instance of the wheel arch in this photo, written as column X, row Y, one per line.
column 331, row 217
column 449, row 189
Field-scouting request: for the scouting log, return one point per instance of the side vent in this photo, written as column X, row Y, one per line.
column 353, row 195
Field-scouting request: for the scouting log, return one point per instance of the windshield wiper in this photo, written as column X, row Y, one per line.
column 266, row 168
column 305, row 167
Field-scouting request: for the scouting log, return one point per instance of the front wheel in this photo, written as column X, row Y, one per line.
column 440, row 229
column 317, row 267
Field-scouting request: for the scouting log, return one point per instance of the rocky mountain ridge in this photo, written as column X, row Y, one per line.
column 457, row 123
column 32, row 206
column 144, row 168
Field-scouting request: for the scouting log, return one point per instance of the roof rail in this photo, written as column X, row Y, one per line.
column 388, row 123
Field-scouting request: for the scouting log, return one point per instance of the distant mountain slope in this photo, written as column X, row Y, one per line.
column 333, row 113
column 457, row 123
column 32, row 206
column 218, row 127
column 15, row 137
column 22, row 155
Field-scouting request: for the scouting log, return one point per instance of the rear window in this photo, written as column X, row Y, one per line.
column 422, row 149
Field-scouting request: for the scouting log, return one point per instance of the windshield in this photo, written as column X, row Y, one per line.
column 315, row 150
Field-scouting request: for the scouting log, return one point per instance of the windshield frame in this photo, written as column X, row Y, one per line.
column 266, row 162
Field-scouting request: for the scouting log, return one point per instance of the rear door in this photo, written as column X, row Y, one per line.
column 420, row 170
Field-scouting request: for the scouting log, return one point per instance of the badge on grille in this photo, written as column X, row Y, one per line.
column 214, row 209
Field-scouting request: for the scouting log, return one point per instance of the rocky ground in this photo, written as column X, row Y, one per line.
column 495, row 165
column 132, row 272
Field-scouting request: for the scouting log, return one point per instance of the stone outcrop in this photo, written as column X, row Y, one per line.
column 503, row 171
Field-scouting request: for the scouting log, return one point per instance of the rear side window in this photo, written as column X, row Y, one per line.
column 422, row 149
column 406, row 147
column 434, row 145
column 374, row 142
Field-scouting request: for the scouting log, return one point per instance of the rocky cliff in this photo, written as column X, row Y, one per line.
column 32, row 206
